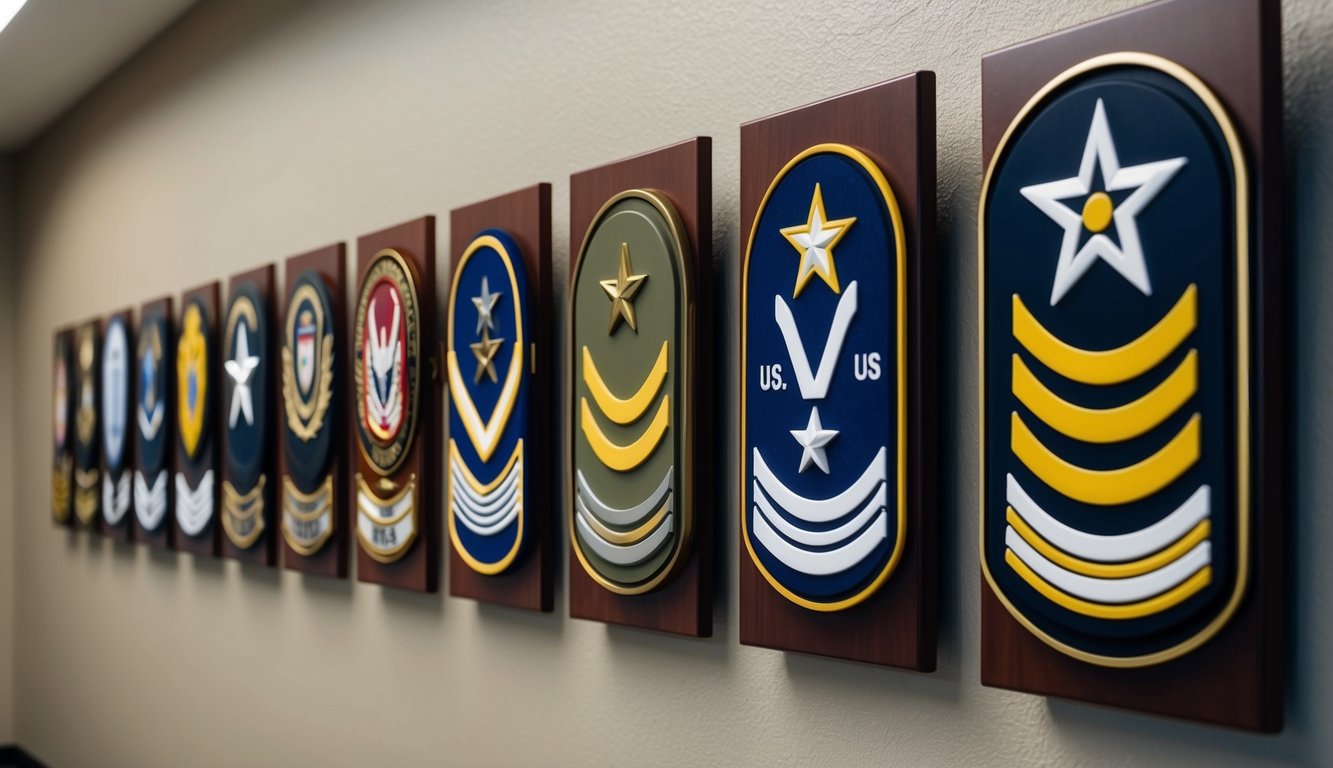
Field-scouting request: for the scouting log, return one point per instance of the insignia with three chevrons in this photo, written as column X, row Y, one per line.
column 152, row 414
column 87, row 475
column 824, row 392
column 631, row 321
column 1116, row 364
column 195, row 485
column 117, row 420
column 489, row 336
column 246, row 395
column 62, row 465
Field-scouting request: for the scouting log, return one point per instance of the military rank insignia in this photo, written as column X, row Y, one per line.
column 247, row 416
column 1115, row 258
column 87, row 476
column 631, row 326
column 62, row 470
column 824, row 395
column 196, row 494
column 151, row 417
column 116, row 388
column 489, row 336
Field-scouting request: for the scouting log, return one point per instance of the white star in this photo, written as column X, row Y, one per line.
column 240, row 368
column 485, row 303
column 1146, row 180
column 813, row 439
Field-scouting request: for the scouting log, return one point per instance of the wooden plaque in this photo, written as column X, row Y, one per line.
column 117, row 376
column 505, row 242
column 395, row 434
column 198, row 384
column 86, row 429
column 838, row 480
column 314, row 385
column 247, row 431
column 154, row 420
column 1132, row 453
column 641, row 391
column 62, row 427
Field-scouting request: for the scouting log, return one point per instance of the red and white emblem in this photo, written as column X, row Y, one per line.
column 384, row 362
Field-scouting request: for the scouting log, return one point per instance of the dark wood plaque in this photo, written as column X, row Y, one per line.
column 155, row 452
column 197, row 346
column 62, row 441
column 889, row 616
column 416, row 470
column 330, row 557
column 117, row 369
column 255, row 287
column 525, row 216
column 1226, row 56
column 682, row 174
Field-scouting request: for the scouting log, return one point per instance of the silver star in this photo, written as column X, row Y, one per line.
column 485, row 304
column 814, row 439
column 240, row 368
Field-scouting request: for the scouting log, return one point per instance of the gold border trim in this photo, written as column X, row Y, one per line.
column 412, row 312
column 232, row 501
column 379, row 554
column 325, row 491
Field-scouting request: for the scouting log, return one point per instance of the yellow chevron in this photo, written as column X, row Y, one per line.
column 1111, row 366
column 1148, row 564
column 1153, row 605
column 1113, row 486
column 623, row 458
column 629, row 410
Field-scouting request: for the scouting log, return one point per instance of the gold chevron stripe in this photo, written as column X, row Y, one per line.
column 625, row 411
column 1109, row 425
column 1148, row 564
column 1111, row 366
column 623, row 458
column 1113, row 486
column 1162, row 602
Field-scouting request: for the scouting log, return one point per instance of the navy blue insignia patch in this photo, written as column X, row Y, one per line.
column 246, row 402
column 150, row 414
column 309, row 386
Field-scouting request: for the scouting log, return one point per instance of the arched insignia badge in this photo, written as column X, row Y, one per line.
column 194, row 505
column 245, row 398
column 388, row 382
column 115, row 420
column 824, row 395
column 488, row 338
column 308, row 386
column 87, row 477
column 631, row 327
column 1115, row 358
column 62, row 469
column 150, row 413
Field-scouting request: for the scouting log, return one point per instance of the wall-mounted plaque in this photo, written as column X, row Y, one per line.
column 117, row 416
column 62, row 418
column 248, row 400
column 1131, row 536
column 837, row 510
column 640, row 519
column 498, row 362
column 87, row 435
column 197, row 389
column 314, row 470
column 154, row 423
column 396, row 391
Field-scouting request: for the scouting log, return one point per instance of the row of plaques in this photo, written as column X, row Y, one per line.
column 1126, row 243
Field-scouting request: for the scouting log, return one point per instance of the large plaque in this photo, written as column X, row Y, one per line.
column 117, row 417
column 838, row 358
column 1131, row 518
column 640, row 522
column 498, row 359
column 87, row 436
column 154, row 423
column 396, row 380
column 314, row 362
column 248, row 409
column 197, row 388
column 62, row 424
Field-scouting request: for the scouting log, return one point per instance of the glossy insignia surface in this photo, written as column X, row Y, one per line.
column 194, row 502
column 246, row 404
column 1115, row 517
column 62, row 460
column 150, row 413
column 116, row 420
column 309, row 385
column 823, row 433
column 87, row 476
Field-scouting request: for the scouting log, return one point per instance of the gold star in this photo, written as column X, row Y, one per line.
column 484, row 351
column 815, row 240
column 622, row 290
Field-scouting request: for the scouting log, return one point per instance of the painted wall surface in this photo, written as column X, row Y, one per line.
column 251, row 131
column 8, row 442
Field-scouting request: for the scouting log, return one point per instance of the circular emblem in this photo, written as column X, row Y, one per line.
column 308, row 378
column 151, row 405
column 244, row 392
column 387, row 364
column 86, row 415
column 192, row 378
column 60, row 401
column 115, row 392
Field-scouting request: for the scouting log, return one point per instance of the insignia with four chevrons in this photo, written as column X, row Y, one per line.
column 150, row 413
column 87, row 476
column 387, row 372
column 488, row 339
column 115, row 391
column 245, row 398
column 308, row 389
column 194, row 505
column 62, row 465
column 632, row 331
column 1115, row 359
column 823, row 335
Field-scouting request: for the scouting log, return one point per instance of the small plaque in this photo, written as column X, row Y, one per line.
column 87, row 435
column 62, row 424
column 154, row 424
column 197, row 389
column 117, row 393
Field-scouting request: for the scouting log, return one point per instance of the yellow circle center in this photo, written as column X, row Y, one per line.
column 1097, row 212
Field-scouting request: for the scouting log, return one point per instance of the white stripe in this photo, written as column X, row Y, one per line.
column 628, row 554
column 625, row 517
column 369, row 507
column 821, row 538
column 486, row 505
column 822, row 510
column 150, row 504
column 194, row 506
column 481, row 528
column 1114, row 591
column 821, row 563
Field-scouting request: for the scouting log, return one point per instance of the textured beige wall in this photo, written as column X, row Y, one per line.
column 8, row 458
column 251, row 131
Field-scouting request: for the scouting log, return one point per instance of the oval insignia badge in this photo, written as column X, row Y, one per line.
column 87, row 477
column 631, row 327
column 194, row 503
column 824, row 394
column 308, row 389
column 62, row 469
column 150, row 476
column 115, row 420
column 1115, row 360
column 245, row 397
column 488, row 395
